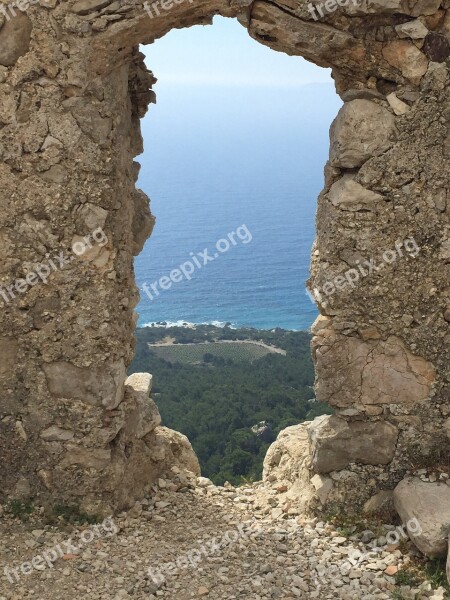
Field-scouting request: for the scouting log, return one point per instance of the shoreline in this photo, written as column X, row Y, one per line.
column 217, row 325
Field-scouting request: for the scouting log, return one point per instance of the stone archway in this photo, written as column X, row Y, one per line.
column 73, row 88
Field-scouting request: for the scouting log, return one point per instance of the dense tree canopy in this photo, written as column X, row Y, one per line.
column 216, row 401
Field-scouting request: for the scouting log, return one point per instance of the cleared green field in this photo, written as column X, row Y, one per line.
column 194, row 353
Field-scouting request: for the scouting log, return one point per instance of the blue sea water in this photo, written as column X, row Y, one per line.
column 219, row 158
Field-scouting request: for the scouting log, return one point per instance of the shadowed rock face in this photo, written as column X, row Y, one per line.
column 73, row 87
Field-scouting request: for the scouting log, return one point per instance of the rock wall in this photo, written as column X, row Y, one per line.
column 73, row 87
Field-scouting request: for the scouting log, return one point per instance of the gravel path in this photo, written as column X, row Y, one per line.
column 194, row 542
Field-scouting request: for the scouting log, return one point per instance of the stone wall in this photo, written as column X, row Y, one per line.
column 73, row 88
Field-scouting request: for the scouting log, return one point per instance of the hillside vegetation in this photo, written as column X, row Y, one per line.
column 231, row 400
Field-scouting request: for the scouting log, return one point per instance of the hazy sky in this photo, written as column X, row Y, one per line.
column 224, row 54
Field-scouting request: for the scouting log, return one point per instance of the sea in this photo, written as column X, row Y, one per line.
column 233, row 174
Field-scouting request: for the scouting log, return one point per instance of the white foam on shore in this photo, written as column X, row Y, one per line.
column 188, row 324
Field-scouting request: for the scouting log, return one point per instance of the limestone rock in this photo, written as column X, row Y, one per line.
column 173, row 449
column 407, row 58
column 323, row 486
column 89, row 119
column 143, row 221
column 15, row 37
column 288, row 462
column 429, row 503
column 56, row 434
column 143, row 414
column 335, row 443
column 84, row 7
column 51, row 142
column 87, row 458
column 361, row 130
column 423, row 7
column 381, row 504
column 91, row 217
column 71, row 96
column 415, row 30
column 347, row 194
column 288, row 454
column 363, row 7
column 413, row 8
column 56, row 174
column 397, row 105
column 385, row 372
column 101, row 386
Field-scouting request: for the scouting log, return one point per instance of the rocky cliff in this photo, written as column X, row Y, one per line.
column 73, row 87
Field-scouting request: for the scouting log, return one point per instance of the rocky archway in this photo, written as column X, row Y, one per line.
column 73, row 88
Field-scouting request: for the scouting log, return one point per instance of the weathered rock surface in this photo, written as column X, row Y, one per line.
column 335, row 443
column 15, row 37
column 190, row 539
column 103, row 386
column 407, row 58
column 73, row 87
column 175, row 450
column 142, row 413
column 381, row 504
column 361, row 130
column 429, row 503
column 347, row 194
column 380, row 367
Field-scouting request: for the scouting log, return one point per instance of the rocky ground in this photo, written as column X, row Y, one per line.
column 193, row 540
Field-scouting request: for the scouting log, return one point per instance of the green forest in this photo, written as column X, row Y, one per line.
column 230, row 399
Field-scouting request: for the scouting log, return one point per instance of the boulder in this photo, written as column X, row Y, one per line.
column 323, row 486
column 287, row 465
column 347, row 194
column 415, row 30
column 336, row 443
column 143, row 221
column 15, row 37
column 429, row 503
column 287, row 455
column 407, row 58
column 361, row 130
column 142, row 413
column 172, row 449
column 398, row 106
